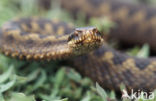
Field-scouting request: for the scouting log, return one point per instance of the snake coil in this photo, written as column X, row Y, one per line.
column 44, row 39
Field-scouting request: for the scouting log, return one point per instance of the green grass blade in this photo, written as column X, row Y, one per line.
column 5, row 87
column 6, row 75
column 101, row 92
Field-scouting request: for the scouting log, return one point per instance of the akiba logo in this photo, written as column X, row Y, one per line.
column 137, row 95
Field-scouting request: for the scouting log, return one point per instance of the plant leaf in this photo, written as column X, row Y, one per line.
column 5, row 87
column 6, row 75
column 101, row 92
column 21, row 97
column 144, row 52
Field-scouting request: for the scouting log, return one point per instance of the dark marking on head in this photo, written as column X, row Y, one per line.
column 68, row 30
column 142, row 63
column 71, row 37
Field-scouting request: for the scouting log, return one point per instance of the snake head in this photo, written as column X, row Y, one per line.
column 85, row 39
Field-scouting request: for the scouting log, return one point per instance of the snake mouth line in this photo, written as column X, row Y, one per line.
column 88, row 39
column 86, row 35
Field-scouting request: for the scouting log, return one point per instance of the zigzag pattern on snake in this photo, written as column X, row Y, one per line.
column 84, row 48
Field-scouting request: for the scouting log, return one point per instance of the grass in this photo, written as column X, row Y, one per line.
column 48, row 81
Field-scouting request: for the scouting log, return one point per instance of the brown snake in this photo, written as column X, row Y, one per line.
column 43, row 39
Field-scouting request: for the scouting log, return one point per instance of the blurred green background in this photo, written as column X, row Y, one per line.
column 49, row 81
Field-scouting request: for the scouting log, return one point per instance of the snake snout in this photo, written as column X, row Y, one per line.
column 85, row 35
column 85, row 39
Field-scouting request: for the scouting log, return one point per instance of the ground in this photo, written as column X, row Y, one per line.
column 33, row 81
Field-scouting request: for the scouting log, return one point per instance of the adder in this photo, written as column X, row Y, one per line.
column 85, row 48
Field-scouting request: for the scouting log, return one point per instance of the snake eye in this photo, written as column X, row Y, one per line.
column 70, row 37
column 98, row 34
column 95, row 30
column 74, row 36
column 85, row 39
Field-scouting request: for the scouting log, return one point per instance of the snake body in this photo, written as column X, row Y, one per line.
column 35, row 38
column 135, row 22
column 43, row 39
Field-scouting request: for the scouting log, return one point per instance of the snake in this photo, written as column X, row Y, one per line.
column 85, row 48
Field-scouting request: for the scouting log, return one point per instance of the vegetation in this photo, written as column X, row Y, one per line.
column 48, row 81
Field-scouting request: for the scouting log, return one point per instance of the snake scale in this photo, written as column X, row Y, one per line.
column 85, row 48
